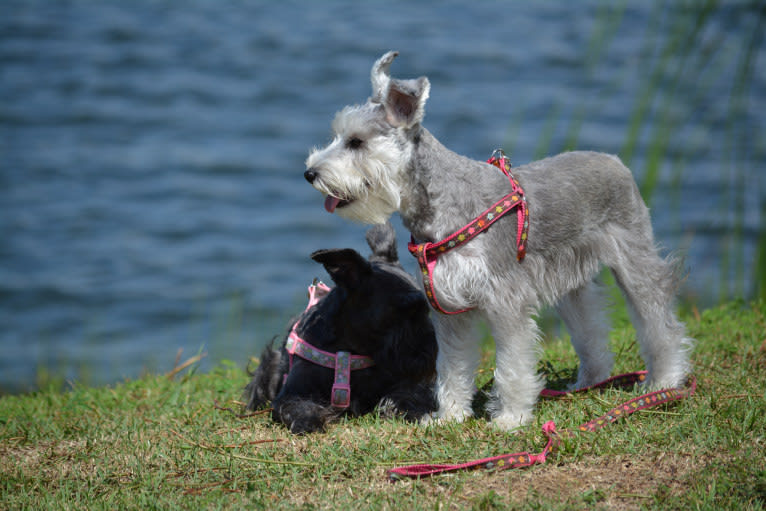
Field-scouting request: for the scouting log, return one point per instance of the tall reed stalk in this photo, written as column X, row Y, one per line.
column 697, row 77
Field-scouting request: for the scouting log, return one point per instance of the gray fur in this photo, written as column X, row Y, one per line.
column 585, row 212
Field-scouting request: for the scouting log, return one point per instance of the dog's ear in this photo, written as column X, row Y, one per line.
column 380, row 77
column 346, row 267
column 405, row 102
column 382, row 241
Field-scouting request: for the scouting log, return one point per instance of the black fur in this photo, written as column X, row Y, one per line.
column 375, row 309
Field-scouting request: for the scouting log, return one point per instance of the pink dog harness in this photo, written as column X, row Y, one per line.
column 343, row 362
column 427, row 253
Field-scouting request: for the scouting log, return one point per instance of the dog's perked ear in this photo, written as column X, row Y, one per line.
column 380, row 77
column 405, row 102
column 346, row 267
column 382, row 241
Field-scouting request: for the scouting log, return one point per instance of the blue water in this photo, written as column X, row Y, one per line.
column 151, row 153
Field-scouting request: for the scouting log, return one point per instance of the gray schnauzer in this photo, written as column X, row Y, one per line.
column 573, row 213
column 366, row 343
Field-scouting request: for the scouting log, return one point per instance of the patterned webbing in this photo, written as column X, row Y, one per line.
column 427, row 253
column 342, row 362
column 525, row 459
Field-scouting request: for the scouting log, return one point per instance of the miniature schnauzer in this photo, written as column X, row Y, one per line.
column 577, row 212
column 374, row 324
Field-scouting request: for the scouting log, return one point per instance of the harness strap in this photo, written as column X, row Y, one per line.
column 427, row 253
column 316, row 291
column 342, row 362
column 525, row 459
column 340, row 395
column 297, row 346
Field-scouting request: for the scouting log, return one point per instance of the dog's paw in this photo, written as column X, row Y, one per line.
column 306, row 425
column 446, row 415
column 583, row 383
column 510, row 423
column 428, row 419
column 590, row 376
column 302, row 416
column 668, row 381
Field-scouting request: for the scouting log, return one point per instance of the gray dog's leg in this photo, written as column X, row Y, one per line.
column 517, row 383
column 456, row 364
column 584, row 314
column 649, row 284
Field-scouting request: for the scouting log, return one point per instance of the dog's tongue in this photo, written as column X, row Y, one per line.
column 331, row 203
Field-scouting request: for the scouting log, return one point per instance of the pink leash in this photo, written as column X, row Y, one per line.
column 525, row 459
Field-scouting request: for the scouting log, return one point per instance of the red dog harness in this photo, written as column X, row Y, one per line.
column 343, row 362
column 427, row 253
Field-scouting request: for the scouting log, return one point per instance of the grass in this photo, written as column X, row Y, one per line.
column 161, row 442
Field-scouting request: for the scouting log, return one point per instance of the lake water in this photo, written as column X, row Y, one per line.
column 151, row 153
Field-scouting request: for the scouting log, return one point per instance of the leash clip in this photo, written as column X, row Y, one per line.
column 497, row 154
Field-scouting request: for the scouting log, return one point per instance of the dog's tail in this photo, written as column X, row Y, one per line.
column 266, row 379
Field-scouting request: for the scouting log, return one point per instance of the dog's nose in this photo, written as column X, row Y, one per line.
column 310, row 175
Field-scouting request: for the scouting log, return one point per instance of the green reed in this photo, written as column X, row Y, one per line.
column 691, row 51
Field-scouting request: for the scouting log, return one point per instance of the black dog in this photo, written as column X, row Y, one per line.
column 374, row 312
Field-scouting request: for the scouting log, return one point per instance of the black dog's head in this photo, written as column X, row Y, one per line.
column 375, row 309
column 378, row 310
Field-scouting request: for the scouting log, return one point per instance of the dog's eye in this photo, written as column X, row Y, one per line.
column 354, row 143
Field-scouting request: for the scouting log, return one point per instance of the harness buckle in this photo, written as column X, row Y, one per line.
column 340, row 395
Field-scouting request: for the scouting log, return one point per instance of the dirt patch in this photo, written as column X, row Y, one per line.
column 620, row 483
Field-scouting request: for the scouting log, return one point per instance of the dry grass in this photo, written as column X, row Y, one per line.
column 161, row 443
